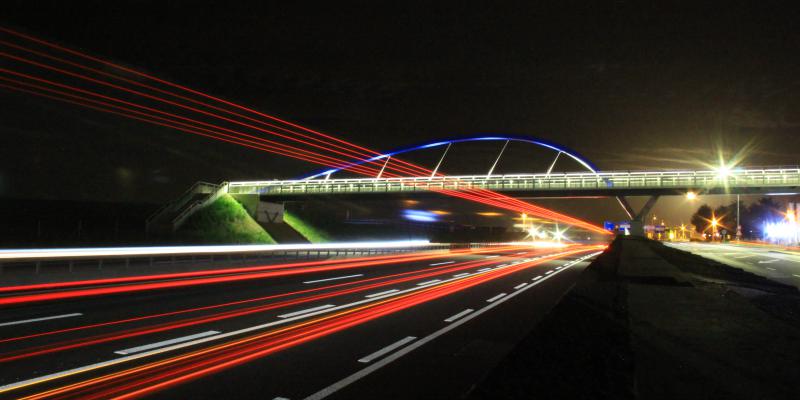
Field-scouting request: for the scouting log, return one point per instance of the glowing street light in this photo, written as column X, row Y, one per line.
column 691, row 195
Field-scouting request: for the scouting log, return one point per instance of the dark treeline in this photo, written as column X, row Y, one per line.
column 752, row 216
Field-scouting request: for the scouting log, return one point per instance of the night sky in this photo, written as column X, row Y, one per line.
column 627, row 85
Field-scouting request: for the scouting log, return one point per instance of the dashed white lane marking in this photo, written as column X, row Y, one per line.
column 333, row 279
column 382, row 293
column 536, row 278
column 460, row 275
column 768, row 261
column 492, row 256
column 483, row 269
column 522, row 252
column 26, row 321
column 521, row 285
column 163, row 343
column 459, row 315
column 319, row 395
column 771, row 269
column 429, row 282
column 559, row 267
column 281, row 398
column 387, row 349
column 344, row 382
column 496, row 297
column 796, row 275
column 306, row 311
column 745, row 256
column 548, row 272
column 441, row 263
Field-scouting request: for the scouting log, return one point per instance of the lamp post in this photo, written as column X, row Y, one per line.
column 713, row 228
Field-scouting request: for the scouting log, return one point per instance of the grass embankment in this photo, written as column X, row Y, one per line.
column 224, row 221
column 312, row 234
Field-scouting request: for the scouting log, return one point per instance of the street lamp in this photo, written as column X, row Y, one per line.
column 713, row 228
column 691, row 195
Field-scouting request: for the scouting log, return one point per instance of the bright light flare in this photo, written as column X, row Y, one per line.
column 420, row 216
column 541, row 244
column 781, row 231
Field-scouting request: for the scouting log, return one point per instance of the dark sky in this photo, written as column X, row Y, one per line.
column 628, row 85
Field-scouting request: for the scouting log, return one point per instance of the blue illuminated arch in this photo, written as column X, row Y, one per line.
column 514, row 138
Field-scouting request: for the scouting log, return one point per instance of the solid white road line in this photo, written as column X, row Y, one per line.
column 382, row 293
column 25, row 321
column 521, row 285
column 441, row 263
column 306, row 311
column 429, row 282
column 387, row 349
column 496, row 297
column 336, row 386
column 333, row 279
column 459, row 315
column 163, row 343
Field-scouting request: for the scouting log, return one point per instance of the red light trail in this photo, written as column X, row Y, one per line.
column 84, row 341
column 158, row 375
column 310, row 138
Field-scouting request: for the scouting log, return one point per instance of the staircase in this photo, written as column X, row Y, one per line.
column 172, row 215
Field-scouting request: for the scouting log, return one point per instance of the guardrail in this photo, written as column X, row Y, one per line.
column 69, row 259
column 737, row 178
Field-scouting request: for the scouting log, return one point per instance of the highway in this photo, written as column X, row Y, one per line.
column 428, row 324
column 774, row 263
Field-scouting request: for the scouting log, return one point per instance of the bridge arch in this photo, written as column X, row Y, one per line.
column 485, row 137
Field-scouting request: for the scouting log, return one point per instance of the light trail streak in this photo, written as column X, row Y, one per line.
column 358, row 261
column 258, row 143
column 348, row 148
column 159, row 375
column 406, row 167
column 186, row 89
column 103, row 338
column 195, row 132
column 162, row 100
column 271, row 272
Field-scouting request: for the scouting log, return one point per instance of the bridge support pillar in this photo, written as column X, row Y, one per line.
column 268, row 212
column 637, row 219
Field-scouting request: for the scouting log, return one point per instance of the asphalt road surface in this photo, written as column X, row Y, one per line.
column 413, row 325
column 770, row 262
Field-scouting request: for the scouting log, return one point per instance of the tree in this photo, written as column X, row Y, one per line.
column 701, row 218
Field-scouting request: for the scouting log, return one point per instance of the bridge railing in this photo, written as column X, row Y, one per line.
column 769, row 177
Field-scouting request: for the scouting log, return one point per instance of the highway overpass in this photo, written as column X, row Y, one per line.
column 618, row 183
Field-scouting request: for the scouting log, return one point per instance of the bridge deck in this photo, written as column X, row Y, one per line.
column 555, row 184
